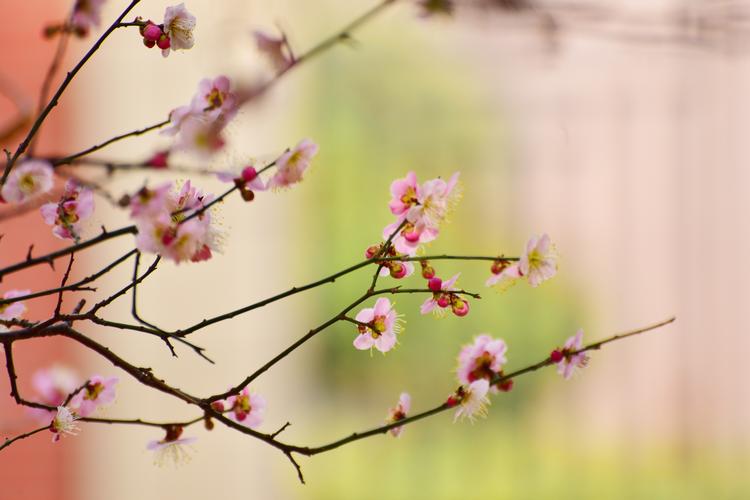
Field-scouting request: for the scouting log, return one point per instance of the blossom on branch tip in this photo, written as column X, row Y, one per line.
column 471, row 399
column 14, row 310
column 75, row 205
column 246, row 408
column 98, row 391
column 378, row 327
column 178, row 28
column 171, row 448
column 292, row 164
column 566, row 358
column 63, row 424
column 27, row 180
column 277, row 49
column 539, row 262
column 483, row 359
column 398, row 413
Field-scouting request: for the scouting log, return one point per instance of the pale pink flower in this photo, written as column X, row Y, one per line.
column 13, row 310
column 178, row 26
column 276, row 49
column 214, row 98
column 442, row 297
column 567, row 360
column 171, row 448
column 27, row 180
column 75, row 205
column 379, row 328
column 472, row 400
column 177, row 118
column 64, row 424
column 54, row 384
column 150, row 202
column 435, row 200
column 292, row 164
column 505, row 277
column 97, row 392
column 86, row 15
column 403, row 194
column 539, row 262
column 247, row 408
column 399, row 412
column 200, row 136
column 483, row 359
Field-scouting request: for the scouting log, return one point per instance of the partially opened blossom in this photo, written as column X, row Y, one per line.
column 443, row 297
column 539, row 262
column 472, row 400
column 86, row 15
column 275, row 48
column 66, row 215
column 292, row 164
column 398, row 413
column 98, row 391
column 378, row 327
column 482, row 359
column 14, row 310
column 504, row 275
column 567, row 359
column 178, row 27
column 246, row 408
column 63, row 424
column 27, row 180
column 171, row 448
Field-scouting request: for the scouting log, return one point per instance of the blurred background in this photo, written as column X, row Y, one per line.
column 616, row 127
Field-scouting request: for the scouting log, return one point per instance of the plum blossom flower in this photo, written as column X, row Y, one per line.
column 247, row 181
column 64, row 424
column 277, row 49
column 539, row 262
column 86, row 15
column 27, row 181
column 53, row 385
column 378, row 327
column 398, row 413
column 246, row 408
column 443, row 297
column 13, row 310
column 483, row 359
column 171, row 448
column 214, row 98
column 403, row 194
column 200, row 136
column 566, row 358
column 292, row 164
column 150, row 202
column 472, row 400
column 178, row 27
column 75, row 205
column 98, row 391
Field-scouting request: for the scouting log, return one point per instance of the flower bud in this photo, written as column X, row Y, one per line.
column 217, row 406
column 556, row 356
column 435, row 284
column 443, row 301
column 506, row 385
column 152, row 32
column 499, row 266
column 372, row 251
column 428, row 272
column 460, row 307
column 398, row 270
column 149, row 43
column 249, row 173
column 164, row 42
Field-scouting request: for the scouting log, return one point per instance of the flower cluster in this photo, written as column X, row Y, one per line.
column 174, row 225
column 175, row 33
column 444, row 296
column 567, row 358
column 27, row 181
column 537, row 264
column 483, row 359
column 377, row 327
column 75, row 205
column 398, row 413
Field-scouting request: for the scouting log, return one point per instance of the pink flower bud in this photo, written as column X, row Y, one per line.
column 372, row 251
column 148, row 43
column 460, row 307
column 249, row 173
column 218, row 406
column 443, row 301
column 505, row 386
column 435, row 284
column 428, row 272
column 499, row 266
column 159, row 160
column 164, row 42
column 411, row 237
column 556, row 356
column 152, row 32
column 398, row 270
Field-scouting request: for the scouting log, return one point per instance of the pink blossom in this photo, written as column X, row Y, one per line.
column 86, row 15
column 75, row 205
column 441, row 298
column 150, row 202
column 399, row 412
column 214, row 98
column 159, row 159
column 567, row 359
column 506, row 276
column 27, row 180
column 292, row 164
column 64, row 424
column 484, row 359
column 53, row 385
column 378, row 328
column 178, row 26
column 246, row 408
column 248, row 177
column 171, row 448
column 13, row 310
column 98, row 391
column 200, row 136
column 403, row 194
column 472, row 400
column 276, row 49
column 539, row 262
column 436, row 198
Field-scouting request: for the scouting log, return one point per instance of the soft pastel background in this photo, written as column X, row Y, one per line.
column 621, row 136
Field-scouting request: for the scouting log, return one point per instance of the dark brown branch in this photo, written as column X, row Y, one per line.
column 9, row 442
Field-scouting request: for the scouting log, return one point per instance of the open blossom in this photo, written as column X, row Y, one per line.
column 200, row 136
column 27, row 180
column 565, row 358
column 276, row 49
column 178, row 27
column 472, row 400
column 539, row 263
column 14, row 310
column 443, row 297
column 398, row 413
column 98, row 391
column 379, row 327
column 171, row 448
column 247, row 408
column 75, row 205
column 64, row 424
column 292, row 164
column 483, row 359
column 86, row 15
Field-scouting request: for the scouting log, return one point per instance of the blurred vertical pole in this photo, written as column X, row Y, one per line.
column 33, row 468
